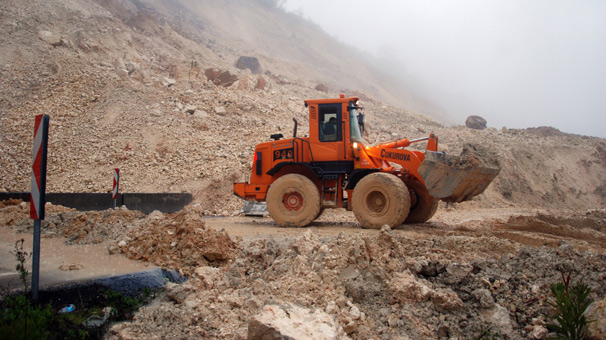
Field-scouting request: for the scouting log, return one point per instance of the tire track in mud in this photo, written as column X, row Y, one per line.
column 549, row 230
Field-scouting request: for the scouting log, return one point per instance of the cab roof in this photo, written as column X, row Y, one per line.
column 331, row 100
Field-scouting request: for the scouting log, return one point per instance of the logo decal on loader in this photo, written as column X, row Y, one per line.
column 395, row 155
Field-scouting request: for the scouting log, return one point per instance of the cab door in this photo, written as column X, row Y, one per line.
column 330, row 133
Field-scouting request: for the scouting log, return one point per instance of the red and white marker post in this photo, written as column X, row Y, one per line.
column 38, row 193
column 116, row 185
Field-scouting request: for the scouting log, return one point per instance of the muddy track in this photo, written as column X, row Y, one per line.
column 529, row 227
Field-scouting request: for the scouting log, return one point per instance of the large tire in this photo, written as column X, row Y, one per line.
column 424, row 205
column 379, row 199
column 293, row 201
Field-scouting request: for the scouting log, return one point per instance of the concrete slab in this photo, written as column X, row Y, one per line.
column 251, row 208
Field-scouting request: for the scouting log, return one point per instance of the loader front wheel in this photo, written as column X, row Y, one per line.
column 293, row 201
column 424, row 205
column 379, row 199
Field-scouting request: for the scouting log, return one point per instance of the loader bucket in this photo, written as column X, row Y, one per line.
column 455, row 179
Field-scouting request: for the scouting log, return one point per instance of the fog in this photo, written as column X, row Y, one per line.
column 517, row 63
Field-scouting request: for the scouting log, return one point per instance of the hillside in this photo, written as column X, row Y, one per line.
column 127, row 85
column 152, row 87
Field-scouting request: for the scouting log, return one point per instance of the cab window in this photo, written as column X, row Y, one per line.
column 329, row 118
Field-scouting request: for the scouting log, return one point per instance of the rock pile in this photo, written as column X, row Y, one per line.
column 383, row 286
column 179, row 240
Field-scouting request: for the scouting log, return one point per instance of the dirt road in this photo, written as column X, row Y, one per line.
column 523, row 227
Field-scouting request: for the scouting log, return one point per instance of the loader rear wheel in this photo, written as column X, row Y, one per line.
column 293, row 201
column 379, row 199
column 424, row 205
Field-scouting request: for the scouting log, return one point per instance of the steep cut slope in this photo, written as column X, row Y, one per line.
column 286, row 43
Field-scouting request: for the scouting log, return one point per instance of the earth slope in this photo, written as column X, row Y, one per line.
column 126, row 86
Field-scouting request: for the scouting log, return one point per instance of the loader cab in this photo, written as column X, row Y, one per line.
column 329, row 128
column 333, row 126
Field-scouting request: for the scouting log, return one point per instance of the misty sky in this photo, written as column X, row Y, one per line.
column 517, row 63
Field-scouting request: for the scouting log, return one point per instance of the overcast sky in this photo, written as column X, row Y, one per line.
column 517, row 63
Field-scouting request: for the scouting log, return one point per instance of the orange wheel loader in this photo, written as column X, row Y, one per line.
column 385, row 184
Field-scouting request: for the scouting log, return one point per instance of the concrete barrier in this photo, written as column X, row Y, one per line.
column 167, row 203
column 25, row 196
column 82, row 201
column 252, row 208
column 144, row 202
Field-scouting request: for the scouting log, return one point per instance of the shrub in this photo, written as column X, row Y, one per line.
column 19, row 319
column 570, row 304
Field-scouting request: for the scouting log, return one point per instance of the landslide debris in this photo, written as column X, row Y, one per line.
column 476, row 155
column 383, row 286
column 438, row 281
column 178, row 241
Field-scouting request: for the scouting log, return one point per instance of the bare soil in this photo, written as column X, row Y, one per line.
column 451, row 277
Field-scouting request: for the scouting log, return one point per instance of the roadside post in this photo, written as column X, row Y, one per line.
column 116, row 185
column 38, row 193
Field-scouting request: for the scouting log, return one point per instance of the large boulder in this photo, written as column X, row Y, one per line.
column 287, row 321
column 322, row 88
column 404, row 288
column 250, row 63
column 476, row 122
column 220, row 78
column 498, row 317
column 50, row 38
